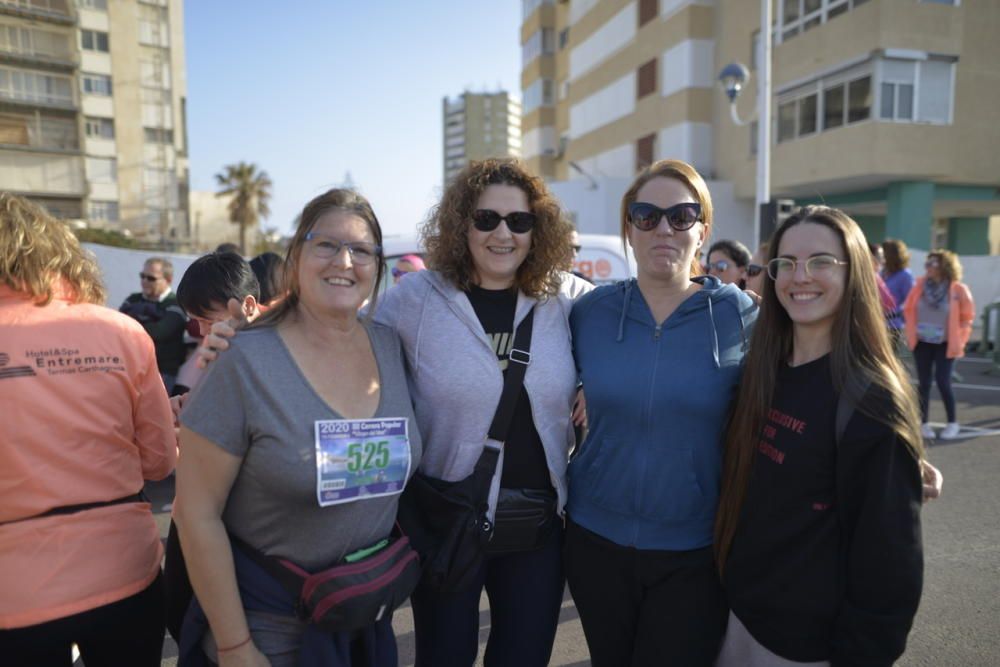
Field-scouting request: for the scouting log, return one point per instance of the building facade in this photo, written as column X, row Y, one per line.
column 478, row 126
column 92, row 105
column 886, row 108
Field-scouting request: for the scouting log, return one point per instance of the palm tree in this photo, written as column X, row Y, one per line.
column 250, row 190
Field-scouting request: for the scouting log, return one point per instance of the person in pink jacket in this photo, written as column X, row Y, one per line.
column 85, row 421
column 938, row 317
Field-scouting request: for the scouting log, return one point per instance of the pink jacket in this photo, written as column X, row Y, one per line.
column 85, row 419
column 961, row 313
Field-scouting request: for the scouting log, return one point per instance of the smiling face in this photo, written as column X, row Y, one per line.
column 336, row 284
column 811, row 301
column 498, row 254
column 663, row 252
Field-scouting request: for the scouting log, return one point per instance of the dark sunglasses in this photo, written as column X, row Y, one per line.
column 753, row 270
column 680, row 217
column 148, row 278
column 519, row 222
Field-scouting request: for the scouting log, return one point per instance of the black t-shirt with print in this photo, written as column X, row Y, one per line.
column 524, row 464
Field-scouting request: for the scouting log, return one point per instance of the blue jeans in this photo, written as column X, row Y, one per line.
column 933, row 358
column 525, row 592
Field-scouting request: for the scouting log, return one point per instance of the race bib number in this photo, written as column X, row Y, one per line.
column 930, row 333
column 358, row 459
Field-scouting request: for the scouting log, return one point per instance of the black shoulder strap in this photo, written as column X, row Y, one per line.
column 517, row 365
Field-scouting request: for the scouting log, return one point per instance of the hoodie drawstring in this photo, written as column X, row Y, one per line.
column 625, row 303
column 715, row 334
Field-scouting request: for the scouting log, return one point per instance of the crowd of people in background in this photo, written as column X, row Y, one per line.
column 724, row 462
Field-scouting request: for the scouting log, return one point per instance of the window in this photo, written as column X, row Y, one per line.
column 154, row 33
column 786, row 121
column 646, row 80
column 915, row 90
column 529, row 6
column 94, row 40
column 106, row 211
column 39, row 130
column 153, row 74
column 563, row 38
column 807, row 115
column 36, row 87
column 538, row 94
column 541, row 43
column 644, row 149
column 833, row 107
column 100, row 128
column 859, row 99
column 798, row 16
column 158, row 135
column 648, row 10
column 34, row 42
column 102, row 170
column 95, row 84
column 92, row 4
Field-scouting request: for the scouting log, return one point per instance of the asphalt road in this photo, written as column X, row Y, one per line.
column 958, row 624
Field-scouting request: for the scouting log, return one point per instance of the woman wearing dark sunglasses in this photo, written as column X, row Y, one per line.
column 659, row 357
column 497, row 247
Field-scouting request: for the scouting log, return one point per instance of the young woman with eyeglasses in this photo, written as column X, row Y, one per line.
column 729, row 261
column 939, row 312
column 818, row 531
column 659, row 357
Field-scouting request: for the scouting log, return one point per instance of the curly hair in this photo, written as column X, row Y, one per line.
column 40, row 256
column 445, row 235
column 951, row 268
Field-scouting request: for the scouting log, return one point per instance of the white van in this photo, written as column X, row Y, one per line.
column 601, row 257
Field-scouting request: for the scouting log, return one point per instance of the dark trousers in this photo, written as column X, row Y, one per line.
column 177, row 585
column 525, row 592
column 928, row 357
column 644, row 607
column 127, row 632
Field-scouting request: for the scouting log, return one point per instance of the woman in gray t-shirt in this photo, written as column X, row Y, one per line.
column 276, row 439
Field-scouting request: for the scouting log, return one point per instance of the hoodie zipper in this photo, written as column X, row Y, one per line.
column 644, row 445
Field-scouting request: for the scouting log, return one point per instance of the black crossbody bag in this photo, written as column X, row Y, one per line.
column 448, row 522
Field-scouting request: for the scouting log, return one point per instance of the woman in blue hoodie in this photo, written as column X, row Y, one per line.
column 659, row 357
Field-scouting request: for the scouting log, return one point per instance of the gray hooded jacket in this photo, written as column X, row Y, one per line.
column 456, row 383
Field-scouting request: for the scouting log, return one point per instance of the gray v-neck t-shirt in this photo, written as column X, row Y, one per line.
column 255, row 403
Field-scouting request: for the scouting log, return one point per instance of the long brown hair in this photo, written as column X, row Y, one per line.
column 692, row 180
column 338, row 199
column 861, row 356
column 40, row 256
column 446, row 234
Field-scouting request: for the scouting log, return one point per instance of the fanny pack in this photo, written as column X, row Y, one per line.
column 352, row 594
column 523, row 521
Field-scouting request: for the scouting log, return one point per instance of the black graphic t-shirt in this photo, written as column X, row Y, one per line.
column 826, row 563
column 524, row 465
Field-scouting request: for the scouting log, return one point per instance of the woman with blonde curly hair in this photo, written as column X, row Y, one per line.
column 497, row 248
column 86, row 420
column 938, row 315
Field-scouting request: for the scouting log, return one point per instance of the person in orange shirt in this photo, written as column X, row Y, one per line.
column 938, row 317
column 86, row 420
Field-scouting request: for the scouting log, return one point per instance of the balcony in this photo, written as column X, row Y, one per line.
column 51, row 11
column 38, row 49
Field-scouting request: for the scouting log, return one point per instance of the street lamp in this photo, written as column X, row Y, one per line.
column 733, row 77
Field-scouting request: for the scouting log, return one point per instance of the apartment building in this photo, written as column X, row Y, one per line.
column 477, row 126
column 92, row 126
column 886, row 108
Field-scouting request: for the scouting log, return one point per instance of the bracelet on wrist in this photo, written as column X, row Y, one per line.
column 234, row 646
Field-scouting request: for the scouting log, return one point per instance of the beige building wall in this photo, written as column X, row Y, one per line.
column 40, row 129
column 872, row 152
column 478, row 126
column 210, row 224
column 623, row 82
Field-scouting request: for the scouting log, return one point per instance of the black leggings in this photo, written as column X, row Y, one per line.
column 127, row 632
column 934, row 356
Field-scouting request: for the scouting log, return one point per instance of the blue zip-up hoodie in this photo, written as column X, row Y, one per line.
column 658, row 396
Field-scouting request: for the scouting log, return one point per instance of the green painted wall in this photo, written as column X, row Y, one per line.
column 910, row 206
column 969, row 236
column 873, row 226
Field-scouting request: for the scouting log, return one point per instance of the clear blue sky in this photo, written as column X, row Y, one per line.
column 310, row 90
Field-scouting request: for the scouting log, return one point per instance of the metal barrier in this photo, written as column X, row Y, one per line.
column 989, row 347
